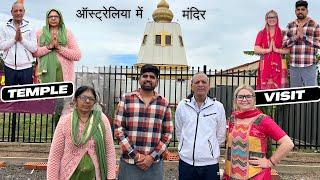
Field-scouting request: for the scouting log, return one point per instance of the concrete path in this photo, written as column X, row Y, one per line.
column 296, row 166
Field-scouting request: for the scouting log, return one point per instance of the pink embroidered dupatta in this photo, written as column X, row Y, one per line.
column 272, row 74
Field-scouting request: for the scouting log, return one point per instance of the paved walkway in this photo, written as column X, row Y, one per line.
column 299, row 166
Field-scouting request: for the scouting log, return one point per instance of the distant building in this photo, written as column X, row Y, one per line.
column 250, row 68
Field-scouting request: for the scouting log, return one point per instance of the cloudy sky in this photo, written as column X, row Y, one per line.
column 218, row 41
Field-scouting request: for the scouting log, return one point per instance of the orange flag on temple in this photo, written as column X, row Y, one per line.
column 20, row 1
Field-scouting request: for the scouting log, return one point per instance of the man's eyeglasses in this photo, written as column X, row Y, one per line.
column 53, row 17
column 242, row 97
column 272, row 17
column 87, row 99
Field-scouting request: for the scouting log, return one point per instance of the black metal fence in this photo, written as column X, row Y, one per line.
column 300, row 121
column 26, row 127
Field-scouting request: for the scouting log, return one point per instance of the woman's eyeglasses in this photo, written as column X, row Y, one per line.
column 272, row 17
column 53, row 17
column 87, row 99
column 242, row 97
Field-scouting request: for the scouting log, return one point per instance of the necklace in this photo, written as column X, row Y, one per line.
column 84, row 120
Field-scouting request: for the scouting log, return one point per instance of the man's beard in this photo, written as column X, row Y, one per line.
column 301, row 16
column 147, row 88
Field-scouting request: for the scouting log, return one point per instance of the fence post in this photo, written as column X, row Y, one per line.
column 13, row 130
column 205, row 69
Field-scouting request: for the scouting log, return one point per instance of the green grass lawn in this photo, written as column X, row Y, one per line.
column 29, row 127
column 34, row 128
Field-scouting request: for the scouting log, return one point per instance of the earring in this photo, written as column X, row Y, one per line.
column 73, row 104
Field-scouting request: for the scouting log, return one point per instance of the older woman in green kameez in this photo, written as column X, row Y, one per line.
column 53, row 36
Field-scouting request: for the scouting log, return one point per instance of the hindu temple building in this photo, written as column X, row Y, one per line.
column 162, row 42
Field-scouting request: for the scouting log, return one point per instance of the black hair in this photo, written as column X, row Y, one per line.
column 302, row 3
column 150, row 68
column 55, row 11
column 82, row 89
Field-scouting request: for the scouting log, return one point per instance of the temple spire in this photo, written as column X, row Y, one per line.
column 162, row 13
column 20, row 1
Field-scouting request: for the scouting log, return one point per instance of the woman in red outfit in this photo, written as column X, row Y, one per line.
column 272, row 73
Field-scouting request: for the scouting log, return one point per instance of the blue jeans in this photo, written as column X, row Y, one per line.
column 16, row 77
column 132, row 172
column 304, row 76
column 190, row 172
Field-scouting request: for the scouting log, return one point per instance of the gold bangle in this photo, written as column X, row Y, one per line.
column 138, row 158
